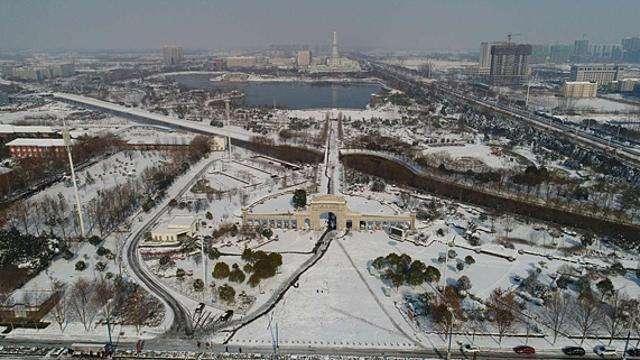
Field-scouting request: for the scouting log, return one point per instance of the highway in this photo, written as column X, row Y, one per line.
column 149, row 117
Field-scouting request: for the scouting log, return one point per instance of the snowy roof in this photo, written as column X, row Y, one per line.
column 11, row 129
column 36, row 142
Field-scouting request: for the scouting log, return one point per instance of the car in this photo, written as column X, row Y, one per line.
column 633, row 352
column 573, row 351
column 604, row 351
column 469, row 349
column 524, row 349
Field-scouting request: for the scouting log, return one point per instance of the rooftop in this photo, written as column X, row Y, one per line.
column 36, row 142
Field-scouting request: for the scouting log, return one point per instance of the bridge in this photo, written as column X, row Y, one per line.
column 153, row 118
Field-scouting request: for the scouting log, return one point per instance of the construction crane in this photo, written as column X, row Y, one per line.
column 510, row 35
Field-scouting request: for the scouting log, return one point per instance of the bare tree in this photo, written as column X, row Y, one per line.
column 614, row 314
column 80, row 301
column 555, row 312
column 104, row 298
column 140, row 311
column 586, row 314
column 59, row 310
column 502, row 305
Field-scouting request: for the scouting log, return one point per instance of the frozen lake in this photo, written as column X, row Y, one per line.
column 289, row 94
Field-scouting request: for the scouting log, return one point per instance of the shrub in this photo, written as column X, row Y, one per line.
column 227, row 293
column 300, row 198
column 81, row 265
column 463, row 283
column 432, row 274
column 209, row 215
column 221, row 270
column 469, row 260
column 214, row 253
column 102, row 251
column 246, row 255
column 460, row 265
column 94, row 240
column 198, row 285
column 452, row 254
column 236, row 275
column 180, row 273
column 100, row 266
column 267, row 233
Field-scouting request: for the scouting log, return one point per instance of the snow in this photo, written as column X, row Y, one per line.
column 476, row 151
column 383, row 113
column 322, row 311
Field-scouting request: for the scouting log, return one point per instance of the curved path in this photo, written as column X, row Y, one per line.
column 181, row 321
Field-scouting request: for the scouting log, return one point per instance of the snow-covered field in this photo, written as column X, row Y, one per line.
column 332, row 306
column 388, row 112
column 104, row 174
column 481, row 152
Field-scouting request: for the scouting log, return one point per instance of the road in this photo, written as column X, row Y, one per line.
column 149, row 117
column 331, row 167
column 266, row 352
column 181, row 320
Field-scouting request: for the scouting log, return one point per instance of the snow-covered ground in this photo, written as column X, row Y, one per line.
column 481, row 152
column 331, row 306
column 388, row 112
column 104, row 174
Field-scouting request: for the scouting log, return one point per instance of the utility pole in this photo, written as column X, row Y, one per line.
column 204, row 270
column 67, row 144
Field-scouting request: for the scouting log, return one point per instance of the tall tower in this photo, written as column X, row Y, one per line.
column 334, row 48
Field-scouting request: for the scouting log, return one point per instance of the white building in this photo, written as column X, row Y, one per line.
column 579, row 89
column 172, row 55
column 177, row 228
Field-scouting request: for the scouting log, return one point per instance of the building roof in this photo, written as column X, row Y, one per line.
column 36, row 142
column 12, row 129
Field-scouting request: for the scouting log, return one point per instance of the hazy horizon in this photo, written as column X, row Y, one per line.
column 417, row 25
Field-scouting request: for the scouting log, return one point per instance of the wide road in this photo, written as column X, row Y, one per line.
column 266, row 352
column 137, row 114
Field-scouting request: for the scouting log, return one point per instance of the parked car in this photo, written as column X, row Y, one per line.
column 604, row 351
column 524, row 349
column 469, row 349
column 573, row 351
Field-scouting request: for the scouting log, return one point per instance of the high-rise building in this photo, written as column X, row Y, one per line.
column 631, row 49
column 509, row 63
column 581, row 49
column 172, row 55
column 334, row 47
column 603, row 74
column 485, row 55
column 560, row 53
column 303, row 58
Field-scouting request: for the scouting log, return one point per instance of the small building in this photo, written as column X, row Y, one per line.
column 218, row 143
column 579, row 89
column 36, row 147
column 176, row 229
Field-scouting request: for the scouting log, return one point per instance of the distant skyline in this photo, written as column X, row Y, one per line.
column 446, row 25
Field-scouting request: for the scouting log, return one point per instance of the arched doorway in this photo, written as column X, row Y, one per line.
column 329, row 218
